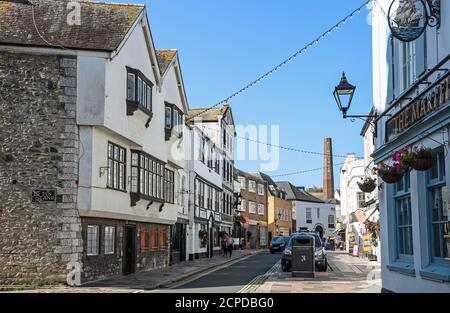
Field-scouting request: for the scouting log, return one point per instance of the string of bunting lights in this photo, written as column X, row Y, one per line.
column 278, row 146
column 303, row 172
column 285, row 62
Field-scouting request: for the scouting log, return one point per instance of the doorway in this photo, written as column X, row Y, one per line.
column 129, row 256
column 178, row 243
column 319, row 230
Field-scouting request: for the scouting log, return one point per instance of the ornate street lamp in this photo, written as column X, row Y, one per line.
column 343, row 94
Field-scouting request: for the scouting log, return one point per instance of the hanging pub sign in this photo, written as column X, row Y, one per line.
column 39, row 195
column 408, row 19
column 424, row 105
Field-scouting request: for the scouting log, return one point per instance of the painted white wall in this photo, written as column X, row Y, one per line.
column 325, row 209
column 351, row 173
column 134, row 54
column 96, row 199
column 102, row 104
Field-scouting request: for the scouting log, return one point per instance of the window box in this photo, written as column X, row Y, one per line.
column 139, row 93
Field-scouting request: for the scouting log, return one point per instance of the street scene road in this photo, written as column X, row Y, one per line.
column 233, row 278
column 142, row 140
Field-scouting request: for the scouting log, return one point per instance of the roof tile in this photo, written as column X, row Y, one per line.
column 103, row 26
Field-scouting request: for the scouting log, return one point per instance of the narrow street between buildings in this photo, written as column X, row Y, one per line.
column 346, row 274
column 245, row 272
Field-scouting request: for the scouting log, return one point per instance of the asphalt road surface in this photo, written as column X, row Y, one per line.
column 230, row 279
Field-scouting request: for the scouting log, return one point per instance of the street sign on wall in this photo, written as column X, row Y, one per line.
column 43, row 195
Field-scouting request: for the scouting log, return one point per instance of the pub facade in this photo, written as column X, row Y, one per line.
column 411, row 98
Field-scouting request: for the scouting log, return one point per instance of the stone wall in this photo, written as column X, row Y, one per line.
column 39, row 149
column 152, row 258
column 96, row 267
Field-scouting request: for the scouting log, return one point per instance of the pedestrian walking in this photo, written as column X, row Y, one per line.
column 230, row 244
column 224, row 244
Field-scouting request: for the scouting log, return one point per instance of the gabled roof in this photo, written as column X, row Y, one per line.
column 294, row 193
column 206, row 115
column 251, row 176
column 103, row 26
column 165, row 56
column 273, row 187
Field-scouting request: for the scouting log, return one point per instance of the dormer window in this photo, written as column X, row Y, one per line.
column 173, row 121
column 139, row 92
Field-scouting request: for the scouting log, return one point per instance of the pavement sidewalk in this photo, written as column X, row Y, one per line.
column 348, row 274
column 150, row 280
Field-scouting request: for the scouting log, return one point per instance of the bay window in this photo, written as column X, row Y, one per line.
column 147, row 176
column 173, row 120
column 139, row 92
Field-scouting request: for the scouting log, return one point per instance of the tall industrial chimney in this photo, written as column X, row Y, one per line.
column 328, row 177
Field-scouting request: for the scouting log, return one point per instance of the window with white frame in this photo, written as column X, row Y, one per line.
column 261, row 209
column 252, row 207
column 308, row 215
column 110, row 235
column 242, row 182
column 261, row 190
column 243, row 205
column 331, row 221
column 252, row 186
column 92, row 240
column 409, row 63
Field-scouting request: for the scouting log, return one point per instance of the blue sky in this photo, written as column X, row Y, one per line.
column 225, row 44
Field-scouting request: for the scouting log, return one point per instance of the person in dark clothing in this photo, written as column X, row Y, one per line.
column 230, row 245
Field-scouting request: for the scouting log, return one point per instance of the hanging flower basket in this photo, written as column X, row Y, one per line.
column 390, row 174
column 424, row 159
column 405, row 157
column 392, row 177
column 367, row 185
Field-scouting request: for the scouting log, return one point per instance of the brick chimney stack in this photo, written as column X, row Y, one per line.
column 328, row 176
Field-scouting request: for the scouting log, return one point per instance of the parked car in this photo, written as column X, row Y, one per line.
column 319, row 253
column 278, row 244
column 329, row 245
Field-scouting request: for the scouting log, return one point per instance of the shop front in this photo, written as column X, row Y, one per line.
column 413, row 183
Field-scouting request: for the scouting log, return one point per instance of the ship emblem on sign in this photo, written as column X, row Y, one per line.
column 408, row 19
